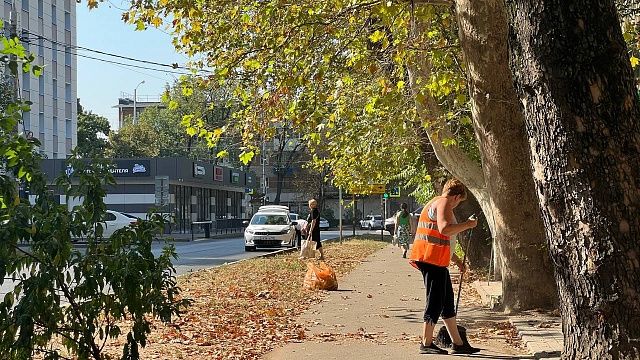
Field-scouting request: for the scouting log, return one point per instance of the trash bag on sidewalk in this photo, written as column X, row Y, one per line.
column 320, row 277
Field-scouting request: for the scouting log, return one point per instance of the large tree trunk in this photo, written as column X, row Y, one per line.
column 575, row 83
column 499, row 126
column 464, row 168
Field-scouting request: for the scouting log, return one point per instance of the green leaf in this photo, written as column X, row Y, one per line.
column 376, row 36
column 245, row 157
column 222, row 154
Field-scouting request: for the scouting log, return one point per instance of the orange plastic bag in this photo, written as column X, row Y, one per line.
column 320, row 277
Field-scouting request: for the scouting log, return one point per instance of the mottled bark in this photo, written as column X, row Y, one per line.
column 499, row 127
column 575, row 84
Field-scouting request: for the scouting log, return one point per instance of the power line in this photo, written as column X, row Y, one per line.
column 172, row 66
column 110, row 61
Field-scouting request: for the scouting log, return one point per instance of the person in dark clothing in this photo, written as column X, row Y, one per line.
column 313, row 221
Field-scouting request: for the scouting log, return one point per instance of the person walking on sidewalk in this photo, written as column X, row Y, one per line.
column 431, row 254
column 314, row 226
column 404, row 228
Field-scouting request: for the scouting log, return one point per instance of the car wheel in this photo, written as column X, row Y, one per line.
column 249, row 248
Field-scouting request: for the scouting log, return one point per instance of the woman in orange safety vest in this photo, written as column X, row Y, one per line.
column 431, row 254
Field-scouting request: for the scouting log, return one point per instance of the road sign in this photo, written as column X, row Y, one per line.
column 162, row 190
column 385, row 195
column 395, row 192
column 368, row 189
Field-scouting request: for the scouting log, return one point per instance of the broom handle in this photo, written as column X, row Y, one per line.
column 464, row 259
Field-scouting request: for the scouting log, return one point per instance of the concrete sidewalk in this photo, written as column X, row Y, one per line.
column 377, row 313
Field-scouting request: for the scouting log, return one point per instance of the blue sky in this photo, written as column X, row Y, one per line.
column 100, row 83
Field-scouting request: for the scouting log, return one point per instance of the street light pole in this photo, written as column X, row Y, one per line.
column 135, row 99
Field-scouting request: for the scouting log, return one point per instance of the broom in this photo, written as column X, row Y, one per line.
column 443, row 339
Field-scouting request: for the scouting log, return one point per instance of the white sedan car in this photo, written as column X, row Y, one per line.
column 115, row 220
column 269, row 228
column 324, row 224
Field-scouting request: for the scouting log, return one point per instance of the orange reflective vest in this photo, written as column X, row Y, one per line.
column 429, row 245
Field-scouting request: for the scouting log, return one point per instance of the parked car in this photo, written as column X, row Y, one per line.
column 270, row 227
column 324, row 224
column 115, row 220
column 372, row 222
column 389, row 224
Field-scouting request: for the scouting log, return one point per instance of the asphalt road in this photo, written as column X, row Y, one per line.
column 202, row 254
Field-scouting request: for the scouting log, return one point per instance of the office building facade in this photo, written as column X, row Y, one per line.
column 47, row 29
column 195, row 191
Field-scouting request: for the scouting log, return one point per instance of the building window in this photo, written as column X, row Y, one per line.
column 26, row 120
column 25, row 19
column 53, row 14
column 67, row 110
column 41, row 85
column 55, row 125
column 54, row 69
column 55, row 88
column 41, row 48
column 67, row 37
column 68, row 129
column 41, row 103
column 67, row 92
column 67, row 73
column 40, row 9
column 67, row 5
column 67, row 55
column 25, row 5
column 25, row 39
column 54, row 32
column 54, row 51
column 41, row 124
column 26, row 82
column 67, row 20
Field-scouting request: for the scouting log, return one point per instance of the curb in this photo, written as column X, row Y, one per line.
column 541, row 346
column 282, row 251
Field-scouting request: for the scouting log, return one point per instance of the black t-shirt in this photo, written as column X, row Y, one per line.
column 314, row 215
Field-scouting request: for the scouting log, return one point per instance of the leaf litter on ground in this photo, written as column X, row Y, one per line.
column 243, row 310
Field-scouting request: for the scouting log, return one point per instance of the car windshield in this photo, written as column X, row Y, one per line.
column 269, row 219
column 377, row 217
column 293, row 216
column 129, row 216
column 323, row 219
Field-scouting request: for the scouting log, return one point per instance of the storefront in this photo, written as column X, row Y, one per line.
column 192, row 191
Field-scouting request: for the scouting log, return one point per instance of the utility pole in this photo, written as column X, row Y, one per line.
column 354, row 214
column 264, row 174
column 340, row 211
column 135, row 100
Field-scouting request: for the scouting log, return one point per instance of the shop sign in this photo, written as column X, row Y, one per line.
column 235, row 177
column 218, row 173
column 199, row 170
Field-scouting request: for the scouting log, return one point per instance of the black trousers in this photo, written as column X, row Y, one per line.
column 437, row 283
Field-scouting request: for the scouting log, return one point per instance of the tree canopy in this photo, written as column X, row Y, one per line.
column 93, row 130
column 336, row 70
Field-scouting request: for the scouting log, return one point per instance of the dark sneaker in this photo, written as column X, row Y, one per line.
column 464, row 349
column 432, row 349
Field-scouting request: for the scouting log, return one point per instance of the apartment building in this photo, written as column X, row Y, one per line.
column 47, row 29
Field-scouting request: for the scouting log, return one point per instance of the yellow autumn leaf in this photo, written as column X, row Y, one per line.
column 634, row 61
